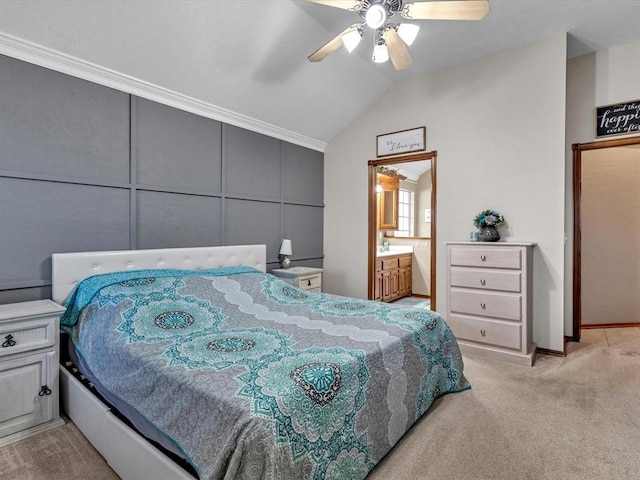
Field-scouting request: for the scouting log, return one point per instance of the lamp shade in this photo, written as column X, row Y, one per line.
column 380, row 53
column 408, row 32
column 285, row 248
column 352, row 39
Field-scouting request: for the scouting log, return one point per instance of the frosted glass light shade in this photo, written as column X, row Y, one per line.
column 376, row 16
column 285, row 248
column 380, row 54
column 351, row 40
column 408, row 32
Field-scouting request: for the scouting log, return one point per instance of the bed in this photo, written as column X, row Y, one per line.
column 236, row 371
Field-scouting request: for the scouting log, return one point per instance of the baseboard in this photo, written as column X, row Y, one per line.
column 554, row 353
column 610, row 325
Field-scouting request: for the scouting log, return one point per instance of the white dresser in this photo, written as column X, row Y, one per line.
column 28, row 368
column 306, row 278
column 489, row 299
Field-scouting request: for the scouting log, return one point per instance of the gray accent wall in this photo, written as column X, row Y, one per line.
column 84, row 168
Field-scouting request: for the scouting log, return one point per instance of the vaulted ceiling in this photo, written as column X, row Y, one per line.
column 249, row 57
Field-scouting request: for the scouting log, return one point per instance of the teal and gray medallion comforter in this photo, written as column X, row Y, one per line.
column 250, row 377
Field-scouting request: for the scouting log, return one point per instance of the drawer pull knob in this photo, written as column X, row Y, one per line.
column 483, row 282
column 483, row 333
column 483, row 305
column 8, row 341
column 483, row 258
column 44, row 390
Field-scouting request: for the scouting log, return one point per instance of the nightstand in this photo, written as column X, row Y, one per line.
column 29, row 337
column 306, row 278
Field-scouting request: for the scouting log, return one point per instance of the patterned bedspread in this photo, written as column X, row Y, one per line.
column 253, row 378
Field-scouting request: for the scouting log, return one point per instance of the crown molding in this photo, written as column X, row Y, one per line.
column 45, row 57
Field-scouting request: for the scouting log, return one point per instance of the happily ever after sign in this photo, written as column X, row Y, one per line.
column 618, row 119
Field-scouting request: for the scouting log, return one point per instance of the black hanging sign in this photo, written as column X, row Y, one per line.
column 618, row 119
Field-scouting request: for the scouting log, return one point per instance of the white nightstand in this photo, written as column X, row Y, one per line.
column 29, row 336
column 306, row 278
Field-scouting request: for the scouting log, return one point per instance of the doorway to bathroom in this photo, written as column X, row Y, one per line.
column 402, row 220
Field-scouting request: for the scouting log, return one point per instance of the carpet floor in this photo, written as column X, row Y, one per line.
column 59, row 454
column 565, row 418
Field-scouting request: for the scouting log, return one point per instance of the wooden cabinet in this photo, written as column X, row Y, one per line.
column 306, row 278
column 28, row 368
column 388, row 198
column 393, row 277
column 489, row 299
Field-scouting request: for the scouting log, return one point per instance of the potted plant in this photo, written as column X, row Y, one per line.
column 488, row 222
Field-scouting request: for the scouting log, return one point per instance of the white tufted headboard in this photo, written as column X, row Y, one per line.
column 69, row 268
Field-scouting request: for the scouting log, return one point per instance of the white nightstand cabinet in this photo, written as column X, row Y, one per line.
column 306, row 278
column 489, row 299
column 29, row 337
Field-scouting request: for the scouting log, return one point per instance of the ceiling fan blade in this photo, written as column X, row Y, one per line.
column 346, row 4
column 398, row 52
column 447, row 10
column 331, row 46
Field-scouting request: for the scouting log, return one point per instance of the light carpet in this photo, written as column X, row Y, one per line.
column 59, row 454
column 565, row 418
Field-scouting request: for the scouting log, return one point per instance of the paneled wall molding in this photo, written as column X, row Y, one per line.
column 56, row 179
column 18, row 284
column 45, row 57
column 85, row 167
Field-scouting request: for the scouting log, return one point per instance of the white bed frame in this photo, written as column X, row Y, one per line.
column 127, row 453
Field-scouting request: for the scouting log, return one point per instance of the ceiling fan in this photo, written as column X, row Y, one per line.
column 390, row 40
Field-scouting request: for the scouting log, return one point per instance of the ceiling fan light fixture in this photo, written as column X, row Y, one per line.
column 380, row 53
column 408, row 32
column 376, row 16
column 352, row 39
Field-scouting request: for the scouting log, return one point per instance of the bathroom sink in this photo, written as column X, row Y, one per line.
column 395, row 250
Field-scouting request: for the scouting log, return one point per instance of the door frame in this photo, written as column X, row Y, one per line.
column 578, row 148
column 372, row 243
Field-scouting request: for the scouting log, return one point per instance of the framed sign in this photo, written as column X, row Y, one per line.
column 618, row 119
column 405, row 141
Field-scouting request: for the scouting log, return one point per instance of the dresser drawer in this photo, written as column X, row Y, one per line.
column 21, row 335
column 404, row 261
column 487, row 304
column 495, row 257
column 508, row 281
column 310, row 282
column 491, row 332
column 389, row 264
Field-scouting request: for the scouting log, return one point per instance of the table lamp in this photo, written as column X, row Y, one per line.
column 286, row 252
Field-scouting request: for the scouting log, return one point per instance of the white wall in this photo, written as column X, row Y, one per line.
column 423, row 201
column 498, row 124
column 593, row 80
